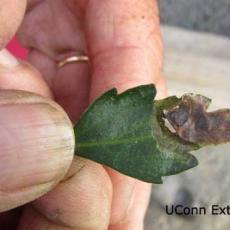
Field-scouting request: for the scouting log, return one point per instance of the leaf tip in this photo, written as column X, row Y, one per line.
column 192, row 162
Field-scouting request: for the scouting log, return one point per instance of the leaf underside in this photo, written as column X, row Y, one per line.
column 127, row 133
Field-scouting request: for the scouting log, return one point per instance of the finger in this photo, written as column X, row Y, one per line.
column 15, row 74
column 11, row 14
column 47, row 46
column 36, row 140
column 126, row 50
column 36, row 147
column 69, row 85
column 124, row 43
column 74, row 95
column 80, row 202
column 136, row 211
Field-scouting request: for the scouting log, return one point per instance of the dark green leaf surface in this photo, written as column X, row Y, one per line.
column 127, row 133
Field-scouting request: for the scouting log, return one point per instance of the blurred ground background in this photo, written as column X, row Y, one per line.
column 197, row 59
column 202, row 15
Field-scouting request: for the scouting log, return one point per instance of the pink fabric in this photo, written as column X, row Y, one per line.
column 16, row 49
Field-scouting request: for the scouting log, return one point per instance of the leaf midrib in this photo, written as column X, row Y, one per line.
column 111, row 142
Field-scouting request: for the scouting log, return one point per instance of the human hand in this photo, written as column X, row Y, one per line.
column 122, row 40
column 36, row 138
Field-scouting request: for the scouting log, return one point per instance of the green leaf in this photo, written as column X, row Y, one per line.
column 127, row 133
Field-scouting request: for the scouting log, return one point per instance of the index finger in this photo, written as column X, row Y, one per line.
column 125, row 44
column 125, row 48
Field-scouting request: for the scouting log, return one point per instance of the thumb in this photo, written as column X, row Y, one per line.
column 36, row 144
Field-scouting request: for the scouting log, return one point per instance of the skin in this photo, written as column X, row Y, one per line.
column 10, row 24
column 123, row 42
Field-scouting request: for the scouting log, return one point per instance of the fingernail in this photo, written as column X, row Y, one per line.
column 7, row 60
column 36, row 142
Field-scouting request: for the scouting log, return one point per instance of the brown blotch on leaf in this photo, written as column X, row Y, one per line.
column 193, row 123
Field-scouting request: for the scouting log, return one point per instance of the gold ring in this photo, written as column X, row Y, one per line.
column 69, row 60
